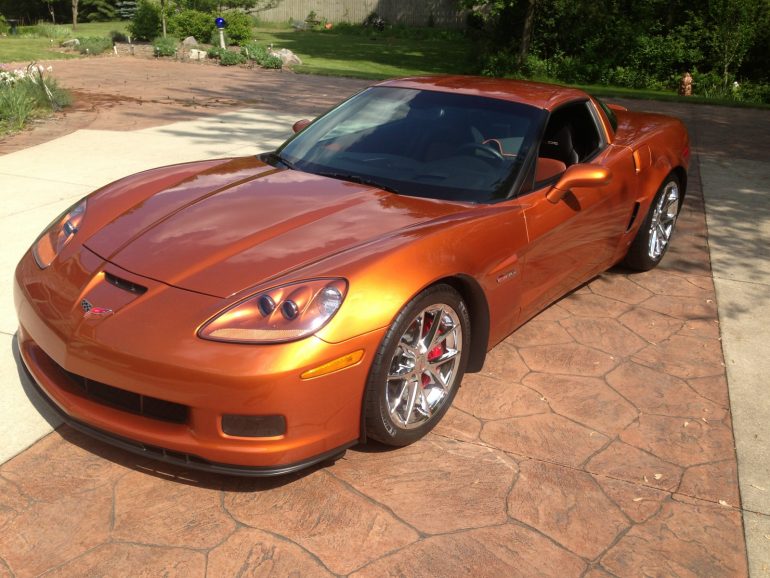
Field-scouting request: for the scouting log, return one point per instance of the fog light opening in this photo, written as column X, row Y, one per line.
column 254, row 426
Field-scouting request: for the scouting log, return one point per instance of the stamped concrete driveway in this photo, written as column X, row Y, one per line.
column 596, row 441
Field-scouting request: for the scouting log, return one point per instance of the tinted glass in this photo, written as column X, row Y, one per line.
column 420, row 143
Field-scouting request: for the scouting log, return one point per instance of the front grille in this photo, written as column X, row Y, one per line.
column 129, row 401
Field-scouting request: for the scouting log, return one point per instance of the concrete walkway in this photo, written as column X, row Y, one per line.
column 577, row 418
column 733, row 154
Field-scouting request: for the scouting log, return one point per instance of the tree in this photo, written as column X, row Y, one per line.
column 99, row 10
column 49, row 4
column 503, row 15
column 734, row 25
column 75, row 14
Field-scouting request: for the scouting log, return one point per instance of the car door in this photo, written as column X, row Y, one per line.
column 575, row 238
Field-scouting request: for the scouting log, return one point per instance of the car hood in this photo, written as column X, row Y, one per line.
column 221, row 232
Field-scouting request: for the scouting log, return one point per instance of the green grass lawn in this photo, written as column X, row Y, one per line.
column 354, row 53
column 30, row 44
column 371, row 56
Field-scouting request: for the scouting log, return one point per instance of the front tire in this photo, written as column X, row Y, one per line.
column 418, row 367
column 654, row 235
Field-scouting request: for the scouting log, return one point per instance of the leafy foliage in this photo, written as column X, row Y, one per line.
column 238, row 29
column 126, row 9
column 640, row 44
column 254, row 52
column 146, row 22
column 165, row 46
column 272, row 61
column 99, row 10
column 117, row 36
column 94, row 45
column 26, row 94
column 192, row 23
column 230, row 58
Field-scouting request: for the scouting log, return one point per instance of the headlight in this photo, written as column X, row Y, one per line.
column 58, row 234
column 285, row 313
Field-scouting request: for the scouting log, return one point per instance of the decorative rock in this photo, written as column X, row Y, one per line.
column 73, row 43
column 287, row 56
column 196, row 54
column 190, row 41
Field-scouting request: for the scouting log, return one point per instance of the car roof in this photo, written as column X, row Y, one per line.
column 538, row 94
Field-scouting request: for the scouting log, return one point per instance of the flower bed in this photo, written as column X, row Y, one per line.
column 27, row 93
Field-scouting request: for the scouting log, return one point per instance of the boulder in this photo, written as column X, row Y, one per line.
column 196, row 54
column 190, row 41
column 287, row 56
column 74, row 43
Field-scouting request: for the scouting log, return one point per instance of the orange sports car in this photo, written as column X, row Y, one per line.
column 257, row 315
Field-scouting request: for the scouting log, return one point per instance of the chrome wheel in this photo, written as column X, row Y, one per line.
column 424, row 367
column 663, row 220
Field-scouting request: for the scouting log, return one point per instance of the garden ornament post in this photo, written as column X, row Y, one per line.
column 220, row 23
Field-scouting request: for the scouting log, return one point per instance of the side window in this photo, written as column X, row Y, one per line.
column 571, row 135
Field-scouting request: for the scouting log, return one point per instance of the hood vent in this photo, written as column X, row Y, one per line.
column 124, row 284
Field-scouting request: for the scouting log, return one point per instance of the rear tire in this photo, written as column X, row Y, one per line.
column 654, row 235
column 418, row 367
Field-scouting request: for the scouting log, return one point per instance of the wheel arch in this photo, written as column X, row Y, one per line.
column 478, row 310
column 681, row 174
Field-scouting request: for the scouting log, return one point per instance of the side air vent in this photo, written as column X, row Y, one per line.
column 634, row 213
column 124, row 284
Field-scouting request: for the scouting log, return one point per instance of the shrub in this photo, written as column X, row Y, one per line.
column 165, row 46
column 16, row 107
column 229, row 58
column 254, row 52
column 146, row 22
column 271, row 61
column 215, row 52
column 94, row 45
column 118, row 36
column 4, row 26
column 25, row 94
column 753, row 92
column 374, row 21
column 191, row 23
column 238, row 29
column 52, row 31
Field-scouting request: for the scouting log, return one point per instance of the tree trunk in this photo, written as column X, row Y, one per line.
column 75, row 14
column 526, row 32
column 163, row 16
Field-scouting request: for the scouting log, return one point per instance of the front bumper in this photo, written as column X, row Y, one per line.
column 148, row 347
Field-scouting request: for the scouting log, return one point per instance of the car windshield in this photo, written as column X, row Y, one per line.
column 420, row 143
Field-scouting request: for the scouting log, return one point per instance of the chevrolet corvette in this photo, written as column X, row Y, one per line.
column 258, row 315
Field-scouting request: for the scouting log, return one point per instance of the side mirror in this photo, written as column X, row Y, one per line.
column 299, row 125
column 547, row 169
column 578, row 176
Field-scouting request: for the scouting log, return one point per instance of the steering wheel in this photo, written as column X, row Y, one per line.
column 492, row 153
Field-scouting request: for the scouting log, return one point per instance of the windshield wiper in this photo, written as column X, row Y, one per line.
column 276, row 158
column 357, row 179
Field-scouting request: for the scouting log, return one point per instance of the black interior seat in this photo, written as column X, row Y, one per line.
column 559, row 146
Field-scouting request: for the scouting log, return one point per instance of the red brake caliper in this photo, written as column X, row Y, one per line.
column 433, row 354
